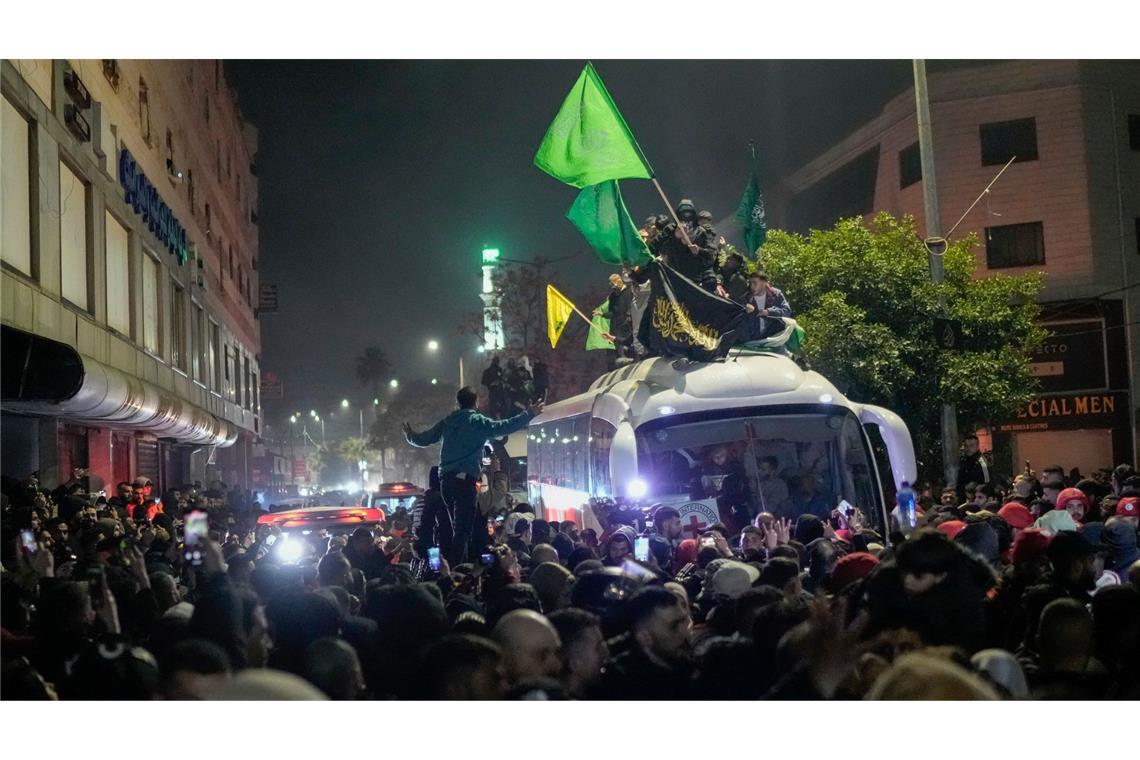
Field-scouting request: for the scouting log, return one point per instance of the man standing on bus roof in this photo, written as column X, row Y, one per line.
column 761, row 302
column 463, row 433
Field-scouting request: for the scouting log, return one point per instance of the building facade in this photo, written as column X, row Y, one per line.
column 129, row 273
column 1068, row 206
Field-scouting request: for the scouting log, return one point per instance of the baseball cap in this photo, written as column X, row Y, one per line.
column 1129, row 506
column 731, row 578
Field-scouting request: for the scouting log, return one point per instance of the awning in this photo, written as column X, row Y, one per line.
column 48, row 378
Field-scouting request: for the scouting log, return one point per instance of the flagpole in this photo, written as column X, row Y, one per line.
column 673, row 213
column 589, row 321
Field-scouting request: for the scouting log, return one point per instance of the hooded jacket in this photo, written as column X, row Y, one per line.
column 463, row 433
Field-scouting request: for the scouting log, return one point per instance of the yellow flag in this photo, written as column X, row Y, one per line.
column 558, row 311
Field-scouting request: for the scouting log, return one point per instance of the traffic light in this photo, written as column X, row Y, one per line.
column 490, row 255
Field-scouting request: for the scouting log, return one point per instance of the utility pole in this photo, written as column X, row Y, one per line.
column 935, row 247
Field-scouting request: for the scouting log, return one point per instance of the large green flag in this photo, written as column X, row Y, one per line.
column 751, row 214
column 595, row 337
column 600, row 215
column 588, row 141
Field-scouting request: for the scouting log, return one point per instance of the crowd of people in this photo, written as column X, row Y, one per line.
column 690, row 244
column 515, row 385
column 1033, row 594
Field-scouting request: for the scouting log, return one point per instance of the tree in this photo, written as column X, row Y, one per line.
column 372, row 368
column 355, row 450
column 864, row 297
column 521, row 290
column 421, row 405
column 318, row 461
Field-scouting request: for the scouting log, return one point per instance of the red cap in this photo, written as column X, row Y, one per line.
column 1129, row 506
column 1016, row 515
column 686, row 552
column 851, row 568
column 951, row 528
column 1029, row 544
column 1074, row 494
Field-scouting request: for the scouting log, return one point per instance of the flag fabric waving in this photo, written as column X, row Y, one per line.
column 589, row 142
column 751, row 214
column 684, row 319
column 596, row 337
column 600, row 215
column 558, row 311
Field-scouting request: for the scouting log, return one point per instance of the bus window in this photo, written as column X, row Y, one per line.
column 601, row 438
column 786, row 464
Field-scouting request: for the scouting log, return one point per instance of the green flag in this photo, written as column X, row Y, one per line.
column 600, row 215
column 588, row 141
column 750, row 213
column 595, row 339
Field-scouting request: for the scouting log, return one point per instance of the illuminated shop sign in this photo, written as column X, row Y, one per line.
column 144, row 198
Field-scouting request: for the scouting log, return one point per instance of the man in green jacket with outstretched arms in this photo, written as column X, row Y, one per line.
column 463, row 433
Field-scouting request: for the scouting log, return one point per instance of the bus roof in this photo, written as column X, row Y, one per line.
column 660, row 387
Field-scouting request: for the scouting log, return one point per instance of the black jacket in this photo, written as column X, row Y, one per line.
column 632, row 675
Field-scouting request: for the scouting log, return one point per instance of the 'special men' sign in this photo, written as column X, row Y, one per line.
column 144, row 198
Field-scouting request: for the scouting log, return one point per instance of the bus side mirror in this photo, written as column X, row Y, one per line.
column 896, row 436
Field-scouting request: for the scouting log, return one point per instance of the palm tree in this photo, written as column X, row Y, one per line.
column 372, row 367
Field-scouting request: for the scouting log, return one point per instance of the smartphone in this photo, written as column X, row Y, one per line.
column 641, row 549
column 433, row 559
column 707, row 541
column 487, row 559
column 499, row 520
column 195, row 531
column 270, row 540
column 28, row 539
column 845, row 508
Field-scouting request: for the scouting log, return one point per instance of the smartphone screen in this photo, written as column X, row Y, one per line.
column 487, row 559
column 196, row 529
column 28, row 539
column 433, row 559
column 270, row 540
column 708, row 541
column 641, row 549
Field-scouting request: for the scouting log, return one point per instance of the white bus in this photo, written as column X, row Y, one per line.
column 754, row 433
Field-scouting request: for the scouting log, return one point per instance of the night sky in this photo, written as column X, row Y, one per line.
column 380, row 182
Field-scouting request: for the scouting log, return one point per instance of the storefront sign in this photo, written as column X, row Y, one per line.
column 144, row 198
column 1072, row 358
column 1072, row 412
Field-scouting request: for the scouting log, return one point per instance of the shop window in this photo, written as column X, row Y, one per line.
column 1015, row 245
column 144, row 110
column 1002, row 140
column 73, row 244
column 151, row 332
column 118, row 275
column 16, row 201
column 111, row 72
column 178, row 353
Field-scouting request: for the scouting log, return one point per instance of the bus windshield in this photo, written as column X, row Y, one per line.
column 783, row 463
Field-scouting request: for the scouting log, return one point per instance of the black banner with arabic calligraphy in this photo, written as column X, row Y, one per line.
column 684, row 319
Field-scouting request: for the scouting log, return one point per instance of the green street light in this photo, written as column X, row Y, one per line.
column 490, row 255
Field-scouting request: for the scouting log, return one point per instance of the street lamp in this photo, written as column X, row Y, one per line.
column 433, row 345
column 344, row 405
column 394, row 383
column 434, row 381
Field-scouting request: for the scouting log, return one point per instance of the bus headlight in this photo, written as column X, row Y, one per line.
column 636, row 488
